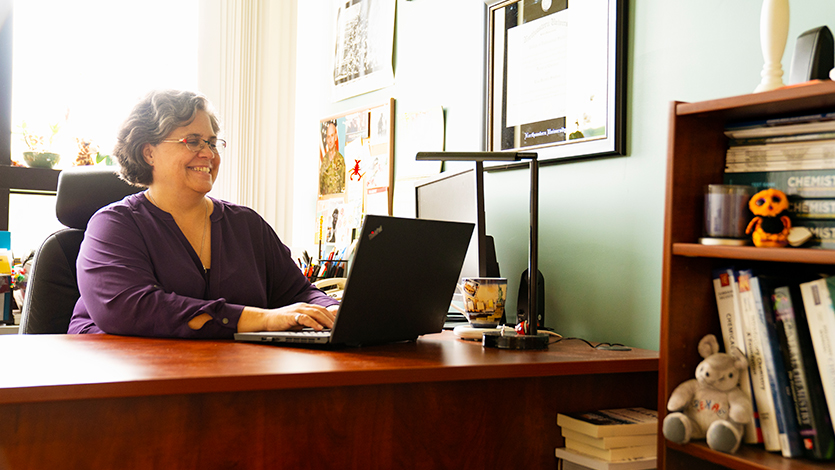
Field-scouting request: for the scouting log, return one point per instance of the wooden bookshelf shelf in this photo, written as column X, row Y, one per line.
column 696, row 157
column 748, row 458
column 751, row 253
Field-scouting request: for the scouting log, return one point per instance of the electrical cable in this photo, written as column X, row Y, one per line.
column 593, row 346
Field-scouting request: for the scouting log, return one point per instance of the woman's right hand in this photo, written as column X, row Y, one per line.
column 291, row 317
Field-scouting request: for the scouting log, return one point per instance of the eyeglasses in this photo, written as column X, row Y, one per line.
column 196, row 144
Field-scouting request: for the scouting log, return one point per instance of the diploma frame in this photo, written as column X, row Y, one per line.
column 568, row 118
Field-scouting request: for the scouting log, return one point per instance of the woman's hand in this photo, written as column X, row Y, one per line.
column 291, row 317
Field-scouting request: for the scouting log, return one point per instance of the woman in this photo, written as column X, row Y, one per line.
column 172, row 262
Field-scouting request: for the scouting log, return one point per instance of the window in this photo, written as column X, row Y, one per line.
column 30, row 230
column 81, row 65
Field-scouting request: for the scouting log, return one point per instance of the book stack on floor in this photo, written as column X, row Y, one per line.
column 795, row 155
column 785, row 325
column 616, row 439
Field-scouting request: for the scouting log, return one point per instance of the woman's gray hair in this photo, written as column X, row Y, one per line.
column 154, row 117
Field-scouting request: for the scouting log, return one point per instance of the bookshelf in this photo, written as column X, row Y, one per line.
column 696, row 157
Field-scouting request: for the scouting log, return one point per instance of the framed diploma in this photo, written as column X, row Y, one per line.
column 556, row 81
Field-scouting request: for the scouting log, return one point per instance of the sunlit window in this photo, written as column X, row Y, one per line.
column 31, row 219
column 78, row 68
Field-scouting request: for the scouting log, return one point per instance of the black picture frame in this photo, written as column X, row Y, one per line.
column 557, row 78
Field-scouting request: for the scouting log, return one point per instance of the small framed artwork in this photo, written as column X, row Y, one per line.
column 363, row 46
column 356, row 170
column 556, row 81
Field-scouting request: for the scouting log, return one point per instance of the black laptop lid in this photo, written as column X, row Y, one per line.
column 402, row 279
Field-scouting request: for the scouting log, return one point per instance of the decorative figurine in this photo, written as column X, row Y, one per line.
column 770, row 228
column 356, row 171
column 87, row 152
column 712, row 405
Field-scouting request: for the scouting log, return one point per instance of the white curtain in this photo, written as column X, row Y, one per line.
column 254, row 93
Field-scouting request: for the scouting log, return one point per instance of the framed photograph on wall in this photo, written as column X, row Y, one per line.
column 356, row 170
column 556, row 81
column 363, row 46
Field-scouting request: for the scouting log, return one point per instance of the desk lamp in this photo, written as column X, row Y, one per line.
column 531, row 339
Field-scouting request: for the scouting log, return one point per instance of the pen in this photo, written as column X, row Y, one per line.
column 330, row 259
column 321, row 220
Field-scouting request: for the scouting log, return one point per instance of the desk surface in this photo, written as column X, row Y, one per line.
column 66, row 367
column 153, row 403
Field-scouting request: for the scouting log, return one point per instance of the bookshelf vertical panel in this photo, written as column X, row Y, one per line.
column 693, row 305
column 702, row 142
column 695, row 158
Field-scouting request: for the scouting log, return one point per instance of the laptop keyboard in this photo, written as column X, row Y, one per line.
column 313, row 333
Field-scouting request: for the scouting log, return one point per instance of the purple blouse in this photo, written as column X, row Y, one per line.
column 138, row 275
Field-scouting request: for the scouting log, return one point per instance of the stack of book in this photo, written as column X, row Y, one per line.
column 795, row 155
column 786, row 328
column 616, row 439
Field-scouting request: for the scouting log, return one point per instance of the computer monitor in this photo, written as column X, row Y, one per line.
column 458, row 196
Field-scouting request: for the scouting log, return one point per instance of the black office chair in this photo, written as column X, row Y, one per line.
column 52, row 288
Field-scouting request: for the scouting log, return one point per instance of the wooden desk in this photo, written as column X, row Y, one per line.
column 119, row 402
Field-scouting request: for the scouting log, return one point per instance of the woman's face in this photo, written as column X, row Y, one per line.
column 177, row 168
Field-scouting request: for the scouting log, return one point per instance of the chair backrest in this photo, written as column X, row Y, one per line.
column 52, row 287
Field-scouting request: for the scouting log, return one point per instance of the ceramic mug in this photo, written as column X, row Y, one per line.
column 484, row 299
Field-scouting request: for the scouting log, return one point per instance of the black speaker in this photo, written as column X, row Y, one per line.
column 813, row 56
column 522, row 300
column 492, row 264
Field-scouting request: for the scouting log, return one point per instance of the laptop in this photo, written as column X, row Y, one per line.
column 399, row 287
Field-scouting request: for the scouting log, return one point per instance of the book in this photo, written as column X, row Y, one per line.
column 589, row 462
column 569, row 465
column 775, row 367
column 810, row 408
column 802, row 208
column 782, row 126
column 781, row 165
column 613, row 422
column 760, row 384
column 727, row 302
column 612, row 455
column 814, row 149
column 820, row 314
column 756, row 158
column 801, row 183
column 785, row 121
column 611, row 442
column 828, row 133
column 726, row 289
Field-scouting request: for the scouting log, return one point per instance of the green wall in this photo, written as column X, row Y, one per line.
column 601, row 221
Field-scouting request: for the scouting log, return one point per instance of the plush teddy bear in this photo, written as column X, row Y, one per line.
column 712, row 405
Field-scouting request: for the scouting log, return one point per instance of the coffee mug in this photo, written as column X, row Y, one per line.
column 484, row 299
